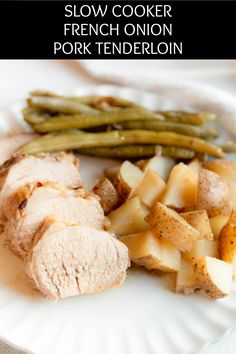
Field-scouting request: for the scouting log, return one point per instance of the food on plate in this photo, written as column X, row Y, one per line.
column 181, row 128
column 182, row 187
column 127, row 179
column 185, row 278
column 213, row 194
column 151, row 252
column 31, row 204
column 226, row 169
column 129, row 218
column 73, row 139
column 108, row 195
column 112, row 121
column 160, row 164
column 213, row 276
column 217, row 223
column 168, row 224
column 167, row 206
column 10, row 143
column 150, row 188
column 227, row 242
column 22, row 169
column 139, row 151
column 74, row 260
column 202, row 248
column 200, row 221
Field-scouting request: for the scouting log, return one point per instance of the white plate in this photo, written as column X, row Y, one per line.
column 141, row 317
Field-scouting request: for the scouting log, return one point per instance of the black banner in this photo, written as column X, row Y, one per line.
column 117, row 30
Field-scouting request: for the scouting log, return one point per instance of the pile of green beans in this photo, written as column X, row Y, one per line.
column 117, row 128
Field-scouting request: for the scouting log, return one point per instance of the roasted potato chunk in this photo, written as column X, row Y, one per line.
column 213, row 276
column 129, row 176
column 109, row 198
column 150, row 189
column 169, row 225
column 186, row 280
column 200, row 221
column 182, row 187
column 147, row 250
column 213, row 194
column 129, row 218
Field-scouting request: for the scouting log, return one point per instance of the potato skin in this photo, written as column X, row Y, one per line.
column 169, row 225
column 204, row 280
column 226, row 169
column 227, row 242
column 213, row 194
column 109, row 198
column 199, row 220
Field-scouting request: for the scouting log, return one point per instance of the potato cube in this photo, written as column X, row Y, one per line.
column 129, row 218
column 217, row 223
column 150, row 189
column 147, row 250
column 186, row 280
column 202, row 248
column 127, row 179
column 213, row 276
column 169, row 225
column 182, row 187
column 200, row 221
column 161, row 165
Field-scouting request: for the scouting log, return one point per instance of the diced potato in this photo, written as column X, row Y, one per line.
column 171, row 258
column 227, row 245
column 195, row 164
column 182, row 187
column 147, row 250
column 213, row 276
column 200, row 221
column 111, row 173
column 144, row 248
column 202, row 248
column 108, row 195
column 169, row 225
column 127, row 179
column 150, row 189
column 213, row 194
column 217, row 223
column 186, row 280
column 226, row 169
column 161, row 165
column 129, row 218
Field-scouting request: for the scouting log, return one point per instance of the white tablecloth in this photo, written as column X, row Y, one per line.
column 17, row 78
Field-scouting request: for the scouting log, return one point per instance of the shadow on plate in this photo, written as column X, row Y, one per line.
column 12, row 275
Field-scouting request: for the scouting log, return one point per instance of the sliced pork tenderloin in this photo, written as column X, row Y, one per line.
column 21, row 170
column 75, row 260
column 9, row 144
column 31, row 204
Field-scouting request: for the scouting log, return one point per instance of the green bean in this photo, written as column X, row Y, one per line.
column 64, row 141
column 88, row 120
column 188, row 117
column 229, row 147
column 59, row 104
column 181, row 128
column 91, row 100
column 34, row 116
column 139, row 151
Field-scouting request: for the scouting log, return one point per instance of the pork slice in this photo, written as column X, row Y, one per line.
column 30, row 205
column 26, row 169
column 9, row 144
column 75, row 260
